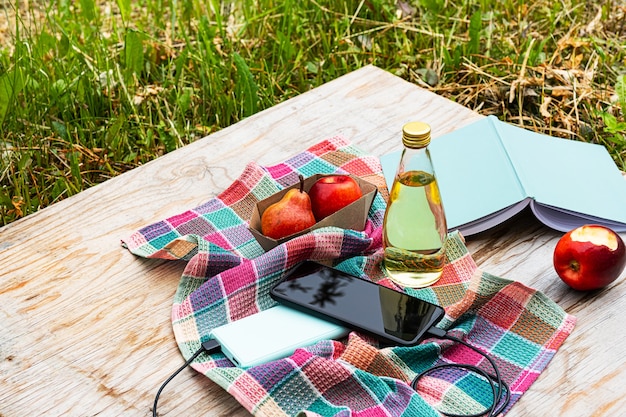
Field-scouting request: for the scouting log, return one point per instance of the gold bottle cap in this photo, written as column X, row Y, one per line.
column 416, row 134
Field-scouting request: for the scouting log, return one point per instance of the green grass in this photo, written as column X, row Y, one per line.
column 91, row 89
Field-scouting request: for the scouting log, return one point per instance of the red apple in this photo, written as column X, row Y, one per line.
column 589, row 257
column 331, row 193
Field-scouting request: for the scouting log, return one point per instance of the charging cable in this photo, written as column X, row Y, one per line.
column 210, row 346
column 498, row 386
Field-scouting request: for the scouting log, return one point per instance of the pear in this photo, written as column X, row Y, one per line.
column 290, row 215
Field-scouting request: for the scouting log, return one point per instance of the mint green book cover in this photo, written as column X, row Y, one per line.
column 491, row 170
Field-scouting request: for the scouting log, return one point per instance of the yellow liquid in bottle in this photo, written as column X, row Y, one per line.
column 415, row 231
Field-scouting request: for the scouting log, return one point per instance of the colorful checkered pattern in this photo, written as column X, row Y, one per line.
column 228, row 277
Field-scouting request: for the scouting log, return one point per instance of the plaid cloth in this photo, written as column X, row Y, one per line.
column 228, row 277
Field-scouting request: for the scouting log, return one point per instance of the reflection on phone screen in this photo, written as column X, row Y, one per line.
column 358, row 303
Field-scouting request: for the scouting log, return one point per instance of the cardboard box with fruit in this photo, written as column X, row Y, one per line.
column 317, row 201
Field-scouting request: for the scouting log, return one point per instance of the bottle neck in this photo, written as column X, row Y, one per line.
column 415, row 159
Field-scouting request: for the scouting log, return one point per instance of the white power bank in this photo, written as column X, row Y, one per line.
column 272, row 334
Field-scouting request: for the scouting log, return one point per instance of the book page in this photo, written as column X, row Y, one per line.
column 475, row 176
column 474, row 173
column 570, row 175
column 564, row 220
column 494, row 219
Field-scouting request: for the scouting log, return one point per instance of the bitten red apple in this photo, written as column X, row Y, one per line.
column 331, row 193
column 589, row 257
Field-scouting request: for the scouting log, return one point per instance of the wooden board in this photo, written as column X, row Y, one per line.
column 85, row 326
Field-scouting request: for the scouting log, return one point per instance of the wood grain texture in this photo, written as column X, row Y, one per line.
column 85, row 326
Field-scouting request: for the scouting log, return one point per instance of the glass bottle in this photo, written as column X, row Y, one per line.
column 414, row 227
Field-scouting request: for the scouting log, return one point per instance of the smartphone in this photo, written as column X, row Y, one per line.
column 272, row 334
column 357, row 303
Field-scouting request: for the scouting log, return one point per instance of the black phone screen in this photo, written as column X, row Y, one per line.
column 357, row 303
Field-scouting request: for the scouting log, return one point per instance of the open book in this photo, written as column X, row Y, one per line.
column 490, row 170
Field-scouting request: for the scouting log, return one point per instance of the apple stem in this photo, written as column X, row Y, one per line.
column 301, row 178
column 574, row 265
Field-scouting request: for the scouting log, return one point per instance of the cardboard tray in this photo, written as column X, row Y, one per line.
column 353, row 216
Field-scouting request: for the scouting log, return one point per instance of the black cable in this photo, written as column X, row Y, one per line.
column 498, row 386
column 210, row 346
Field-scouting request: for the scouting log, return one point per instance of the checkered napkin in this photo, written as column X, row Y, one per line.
column 228, row 277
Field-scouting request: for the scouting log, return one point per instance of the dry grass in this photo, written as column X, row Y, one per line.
column 556, row 97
